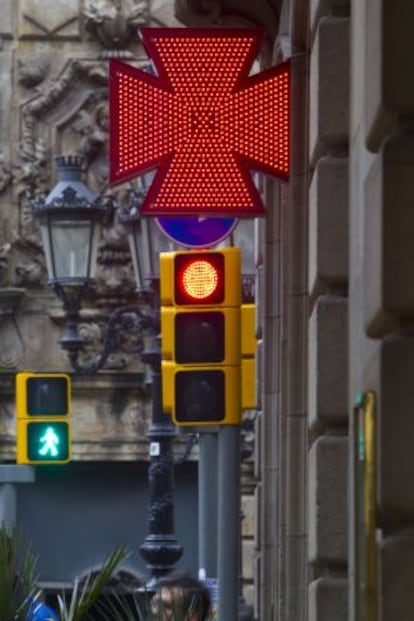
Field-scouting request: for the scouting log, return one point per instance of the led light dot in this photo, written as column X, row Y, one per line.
column 203, row 118
column 199, row 279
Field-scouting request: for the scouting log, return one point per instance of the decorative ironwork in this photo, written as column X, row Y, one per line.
column 158, row 507
column 128, row 320
column 160, row 549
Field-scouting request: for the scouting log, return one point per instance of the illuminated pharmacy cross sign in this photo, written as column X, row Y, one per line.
column 49, row 442
column 202, row 121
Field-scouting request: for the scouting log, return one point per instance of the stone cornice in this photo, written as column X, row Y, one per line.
column 9, row 300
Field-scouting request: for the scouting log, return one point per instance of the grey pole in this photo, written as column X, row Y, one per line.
column 229, row 523
column 10, row 476
column 8, row 506
column 207, row 503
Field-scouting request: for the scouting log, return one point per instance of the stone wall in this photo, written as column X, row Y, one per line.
column 53, row 100
column 281, row 259
column 328, row 322
column 382, row 310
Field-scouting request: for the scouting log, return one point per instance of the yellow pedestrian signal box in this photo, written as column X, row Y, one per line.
column 201, row 336
column 43, row 426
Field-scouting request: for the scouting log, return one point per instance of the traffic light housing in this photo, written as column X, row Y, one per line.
column 248, row 352
column 201, row 336
column 43, row 402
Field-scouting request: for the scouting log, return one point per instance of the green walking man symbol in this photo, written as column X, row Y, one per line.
column 50, row 441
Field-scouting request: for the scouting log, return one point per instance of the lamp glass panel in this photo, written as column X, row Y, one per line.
column 138, row 254
column 44, row 231
column 146, row 241
column 158, row 242
column 71, row 246
column 96, row 238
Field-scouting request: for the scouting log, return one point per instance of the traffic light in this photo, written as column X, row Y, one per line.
column 201, row 336
column 42, row 415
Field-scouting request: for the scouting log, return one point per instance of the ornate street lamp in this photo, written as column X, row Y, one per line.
column 70, row 218
column 70, row 221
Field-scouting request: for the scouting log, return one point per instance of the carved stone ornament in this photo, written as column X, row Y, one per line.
column 70, row 117
column 115, row 21
column 4, row 259
column 94, row 332
column 197, row 12
column 6, row 175
column 33, row 67
column 4, row 256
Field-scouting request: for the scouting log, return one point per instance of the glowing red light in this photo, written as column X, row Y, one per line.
column 199, row 279
column 202, row 121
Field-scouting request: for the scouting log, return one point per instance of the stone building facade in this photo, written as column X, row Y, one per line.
column 333, row 255
column 329, row 527
column 54, row 87
column 53, row 73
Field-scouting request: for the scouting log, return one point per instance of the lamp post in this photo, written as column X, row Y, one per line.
column 70, row 219
column 160, row 548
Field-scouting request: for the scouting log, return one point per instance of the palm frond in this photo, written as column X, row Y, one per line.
column 17, row 575
column 136, row 605
column 125, row 607
column 85, row 595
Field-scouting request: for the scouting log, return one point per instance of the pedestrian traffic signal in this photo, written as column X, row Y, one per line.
column 42, row 414
column 201, row 335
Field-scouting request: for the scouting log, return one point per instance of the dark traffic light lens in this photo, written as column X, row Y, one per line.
column 200, row 396
column 199, row 337
column 47, row 396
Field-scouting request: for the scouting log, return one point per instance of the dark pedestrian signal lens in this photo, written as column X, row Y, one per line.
column 199, row 337
column 200, row 396
column 47, row 396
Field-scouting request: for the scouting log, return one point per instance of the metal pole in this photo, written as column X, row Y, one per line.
column 10, row 476
column 160, row 549
column 207, row 503
column 229, row 523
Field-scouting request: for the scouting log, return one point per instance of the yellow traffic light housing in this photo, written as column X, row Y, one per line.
column 248, row 361
column 201, row 395
column 43, row 429
column 201, row 336
column 203, row 268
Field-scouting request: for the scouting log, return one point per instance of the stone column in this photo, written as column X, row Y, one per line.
column 382, row 260
column 328, row 322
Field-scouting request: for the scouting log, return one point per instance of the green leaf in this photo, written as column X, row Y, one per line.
column 17, row 575
column 85, row 595
column 119, row 608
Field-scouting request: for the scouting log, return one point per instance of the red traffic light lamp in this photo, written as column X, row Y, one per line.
column 199, row 279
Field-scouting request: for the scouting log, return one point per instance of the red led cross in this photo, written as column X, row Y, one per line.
column 202, row 121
